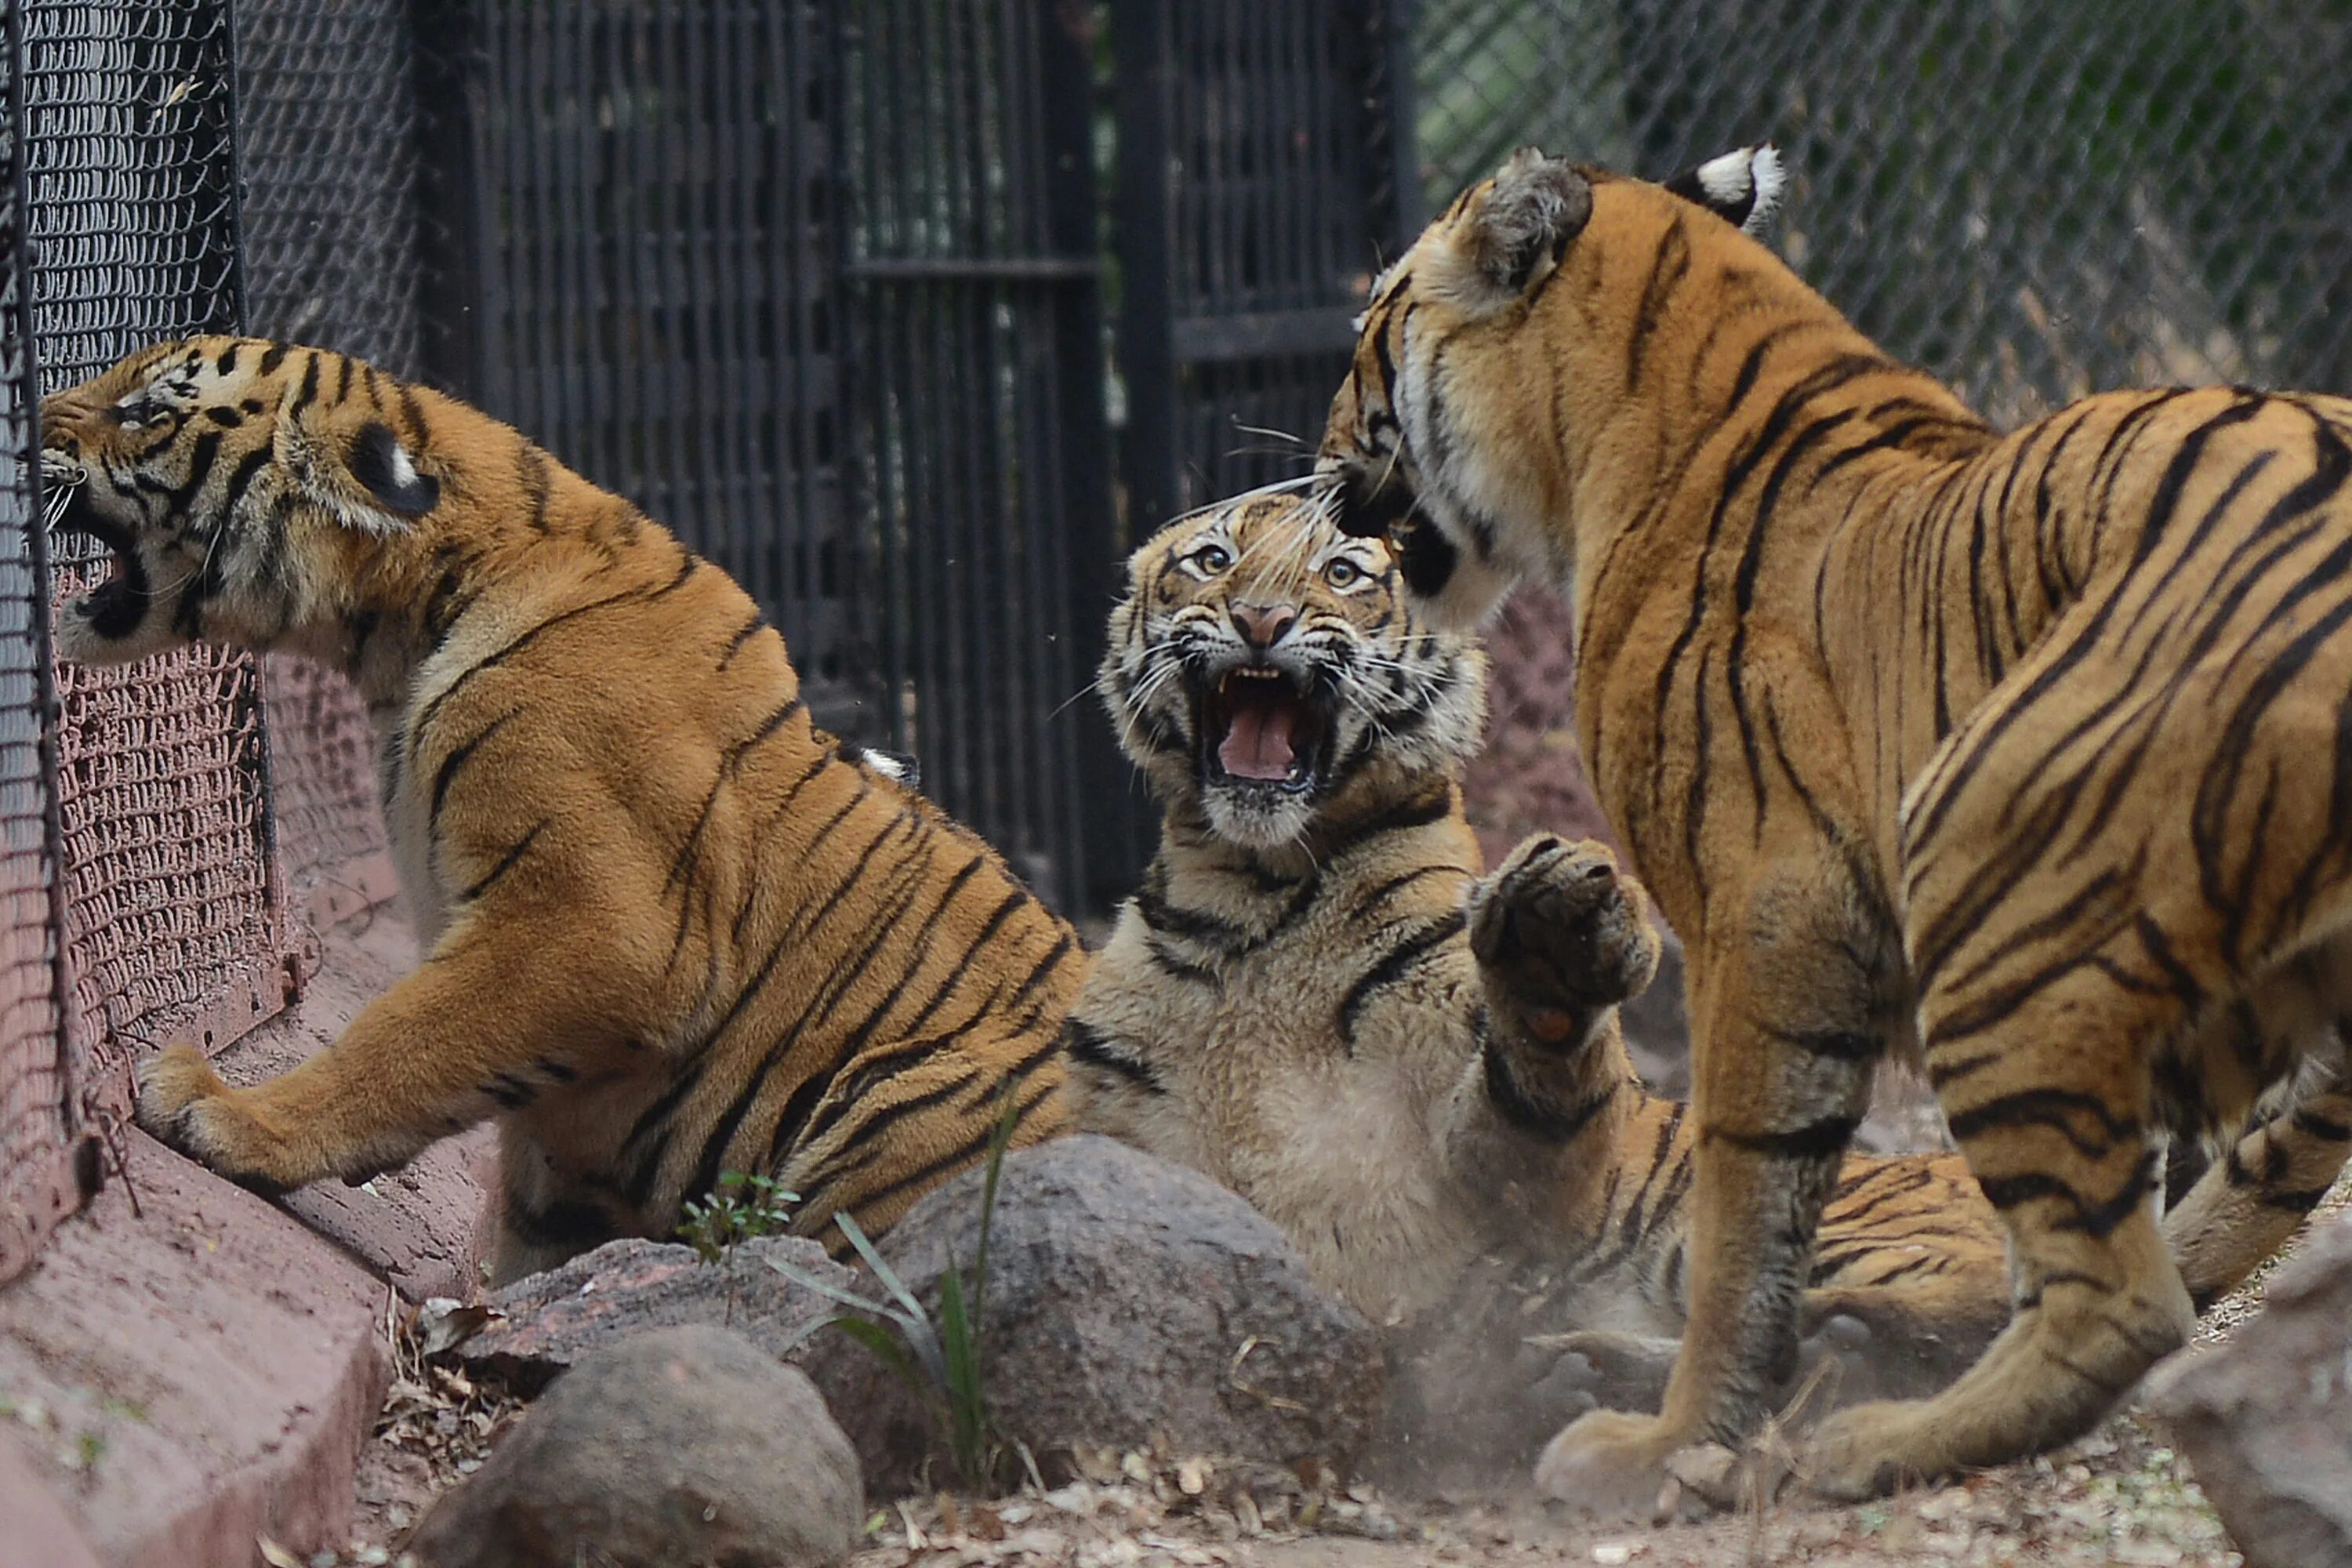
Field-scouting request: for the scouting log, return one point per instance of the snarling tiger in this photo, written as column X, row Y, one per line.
column 671, row 927
column 1416, row 1071
column 2026, row 749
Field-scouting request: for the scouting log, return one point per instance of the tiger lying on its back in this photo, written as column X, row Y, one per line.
column 671, row 930
column 1317, row 1000
column 2031, row 749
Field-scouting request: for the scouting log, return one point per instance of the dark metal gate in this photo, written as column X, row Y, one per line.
column 1265, row 169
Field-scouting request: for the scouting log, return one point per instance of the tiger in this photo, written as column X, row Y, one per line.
column 1418, row 1072
column 1932, row 741
column 670, row 927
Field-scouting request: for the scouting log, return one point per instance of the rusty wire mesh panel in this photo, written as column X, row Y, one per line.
column 37, row 1114
column 2031, row 201
column 327, row 144
column 172, row 919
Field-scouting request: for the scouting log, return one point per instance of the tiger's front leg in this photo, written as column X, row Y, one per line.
column 481, row 1026
column 1790, row 1001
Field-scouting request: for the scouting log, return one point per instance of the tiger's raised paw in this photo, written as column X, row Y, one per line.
column 185, row 1104
column 1560, row 929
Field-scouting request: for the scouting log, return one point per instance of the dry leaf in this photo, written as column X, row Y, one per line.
column 444, row 1323
column 276, row 1556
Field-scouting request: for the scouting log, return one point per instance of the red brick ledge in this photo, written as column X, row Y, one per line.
column 181, row 1377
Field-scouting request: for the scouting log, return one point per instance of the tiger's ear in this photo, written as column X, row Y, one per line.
column 1510, row 238
column 361, row 476
column 386, row 471
column 1743, row 186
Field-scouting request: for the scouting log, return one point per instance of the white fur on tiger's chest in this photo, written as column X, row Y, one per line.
column 1328, row 1135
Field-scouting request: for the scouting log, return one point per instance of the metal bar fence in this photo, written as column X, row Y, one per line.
column 975, row 290
column 1260, row 151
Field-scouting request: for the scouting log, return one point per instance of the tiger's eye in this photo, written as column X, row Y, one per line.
column 1341, row 572
column 1212, row 558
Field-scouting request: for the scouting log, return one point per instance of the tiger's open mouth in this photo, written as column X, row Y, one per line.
column 1259, row 729
column 116, row 604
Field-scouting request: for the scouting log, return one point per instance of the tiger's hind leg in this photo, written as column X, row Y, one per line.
column 2048, row 1120
column 906, row 1116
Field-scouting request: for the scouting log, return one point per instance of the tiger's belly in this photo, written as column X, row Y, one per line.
column 1337, row 1147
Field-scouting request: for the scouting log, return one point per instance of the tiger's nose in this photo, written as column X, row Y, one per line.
column 1262, row 626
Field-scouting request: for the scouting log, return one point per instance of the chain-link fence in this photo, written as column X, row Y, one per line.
column 2031, row 201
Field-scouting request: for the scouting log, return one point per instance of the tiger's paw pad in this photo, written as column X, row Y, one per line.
column 185, row 1104
column 1561, row 927
column 1611, row 1465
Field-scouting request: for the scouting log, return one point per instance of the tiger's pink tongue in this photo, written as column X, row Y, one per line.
column 1257, row 746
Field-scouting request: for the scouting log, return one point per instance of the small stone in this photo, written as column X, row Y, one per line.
column 679, row 1446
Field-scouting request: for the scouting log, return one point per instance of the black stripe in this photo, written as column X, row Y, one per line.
column 1086, row 1044
column 735, row 644
column 425, row 719
column 1392, row 966
column 456, row 760
column 1523, row 1113
column 241, row 477
column 2053, row 1108
column 1822, row 1139
column 307, row 392
column 506, row 863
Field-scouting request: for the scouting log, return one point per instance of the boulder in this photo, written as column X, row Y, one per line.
column 2265, row 1418
column 545, row 1322
column 1131, row 1304
column 686, row 1447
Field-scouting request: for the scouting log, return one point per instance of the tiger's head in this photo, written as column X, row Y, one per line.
column 239, row 487
column 1264, row 668
column 1427, row 378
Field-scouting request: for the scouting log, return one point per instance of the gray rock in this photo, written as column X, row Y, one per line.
column 596, row 1300
column 1129, row 1303
column 682, row 1446
column 2265, row 1418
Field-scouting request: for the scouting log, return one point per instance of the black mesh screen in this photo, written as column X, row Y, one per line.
column 2031, row 201
column 653, row 236
column 38, row 1113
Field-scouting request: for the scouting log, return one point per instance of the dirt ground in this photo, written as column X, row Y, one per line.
column 2118, row 1497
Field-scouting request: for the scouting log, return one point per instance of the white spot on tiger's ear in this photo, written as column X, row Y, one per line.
column 386, row 471
column 1771, row 184
column 1742, row 186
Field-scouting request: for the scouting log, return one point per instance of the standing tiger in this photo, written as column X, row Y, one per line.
column 1416, row 1071
column 671, row 927
column 2027, row 750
